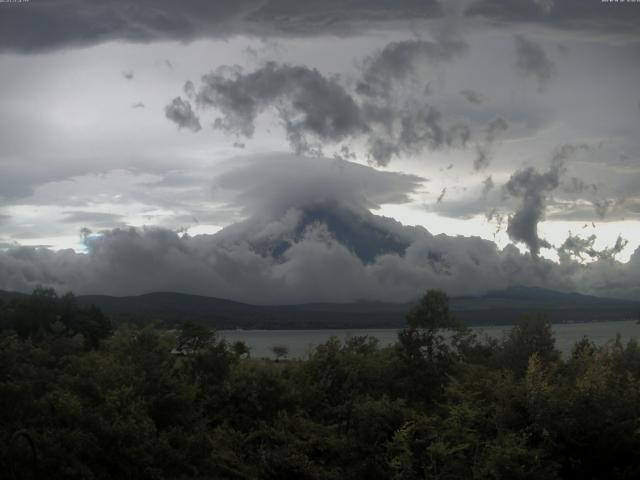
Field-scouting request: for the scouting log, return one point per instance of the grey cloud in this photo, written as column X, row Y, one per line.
column 579, row 247
column 19, row 179
column 307, row 219
column 442, row 194
column 458, row 134
column 532, row 61
column 583, row 248
column 180, row 112
column 94, row 219
column 487, row 185
column 607, row 210
column 381, row 150
column 464, row 208
column 578, row 186
column 564, row 152
column 532, row 187
column 472, row 96
column 602, row 207
column 316, row 110
column 575, row 15
column 484, row 151
column 303, row 268
column 269, row 184
column 309, row 103
column 482, row 158
column 137, row 105
column 128, row 74
column 398, row 61
column 496, row 126
column 49, row 24
column 420, row 127
column 545, row 5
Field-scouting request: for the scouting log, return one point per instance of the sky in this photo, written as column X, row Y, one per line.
column 281, row 151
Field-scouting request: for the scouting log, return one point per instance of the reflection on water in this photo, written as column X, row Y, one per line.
column 301, row 342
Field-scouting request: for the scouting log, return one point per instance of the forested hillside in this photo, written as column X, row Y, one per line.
column 170, row 309
column 81, row 401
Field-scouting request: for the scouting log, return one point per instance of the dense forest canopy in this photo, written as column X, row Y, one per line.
column 80, row 401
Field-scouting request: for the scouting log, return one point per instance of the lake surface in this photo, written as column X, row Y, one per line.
column 301, row 342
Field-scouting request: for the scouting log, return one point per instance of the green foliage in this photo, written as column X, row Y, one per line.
column 530, row 335
column 44, row 313
column 280, row 351
column 79, row 403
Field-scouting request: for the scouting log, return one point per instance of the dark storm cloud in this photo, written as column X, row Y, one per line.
column 54, row 24
column 317, row 110
column 598, row 17
column 308, row 103
column 532, row 61
column 410, row 129
column 422, row 127
column 180, row 112
column 399, row 60
column 532, row 187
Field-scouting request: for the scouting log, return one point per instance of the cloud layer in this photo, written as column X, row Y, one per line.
column 57, row 24
column 301, row 243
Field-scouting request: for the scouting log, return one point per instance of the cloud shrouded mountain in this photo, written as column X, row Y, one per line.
column 309, row 235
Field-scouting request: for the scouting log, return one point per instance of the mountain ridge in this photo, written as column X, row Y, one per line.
column 496, row 307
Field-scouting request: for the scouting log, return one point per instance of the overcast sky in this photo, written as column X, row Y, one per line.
column 254, row 147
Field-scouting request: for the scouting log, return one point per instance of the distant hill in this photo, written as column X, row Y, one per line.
column 494, row 308
column 6, row 296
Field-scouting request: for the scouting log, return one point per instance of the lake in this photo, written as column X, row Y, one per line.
column 301, row 342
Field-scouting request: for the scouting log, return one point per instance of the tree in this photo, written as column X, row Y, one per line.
column 432, row 312
column 240, row 349
column 194, row 337
column 530, row 335
column 426, row 323
column 44, row 314
column 280, row 351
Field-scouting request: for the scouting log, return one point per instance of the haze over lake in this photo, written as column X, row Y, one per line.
column 301, row 342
